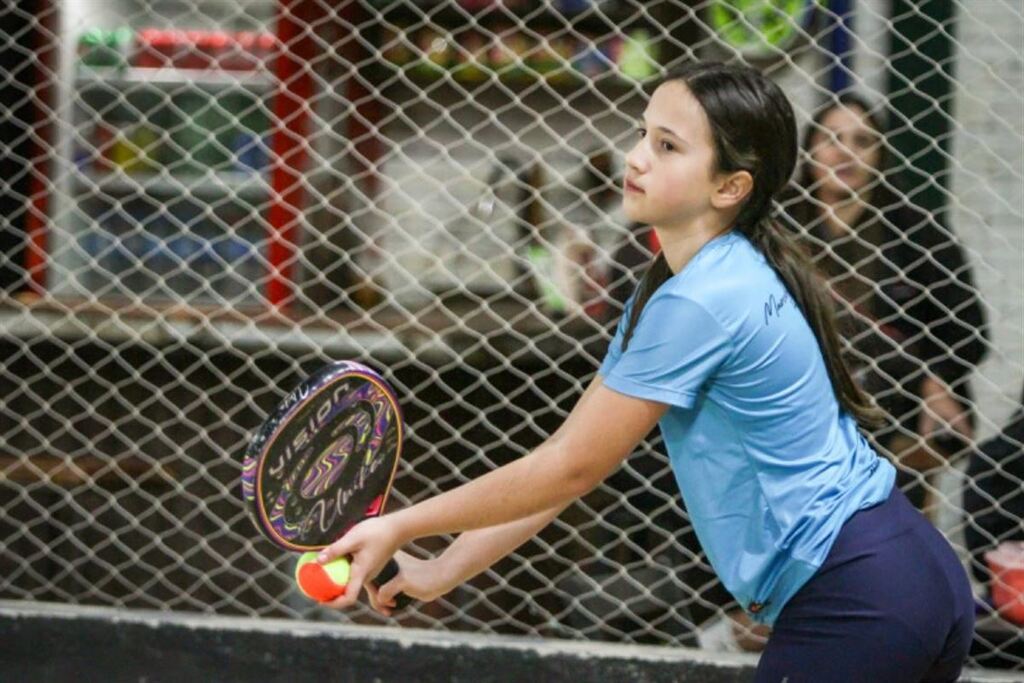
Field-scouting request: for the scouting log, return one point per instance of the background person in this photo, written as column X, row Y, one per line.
column 905, row 291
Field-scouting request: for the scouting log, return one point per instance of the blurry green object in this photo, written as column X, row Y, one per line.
column 759, row 28
column 638, row 59
column 105, row 48
column 519, row 47
column 543, row 263
column 564, row 48
column 470, row 57
column 542, row 58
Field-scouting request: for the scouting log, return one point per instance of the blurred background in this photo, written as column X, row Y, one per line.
column 205, row 200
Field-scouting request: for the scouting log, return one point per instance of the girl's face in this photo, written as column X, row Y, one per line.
column 845, row 152
column 670, row 170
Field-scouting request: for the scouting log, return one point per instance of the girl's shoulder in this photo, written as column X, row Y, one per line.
column 725, row 276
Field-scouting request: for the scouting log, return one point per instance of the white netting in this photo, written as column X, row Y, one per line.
column 207, row 199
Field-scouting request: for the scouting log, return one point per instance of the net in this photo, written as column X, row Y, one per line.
column 208, row 199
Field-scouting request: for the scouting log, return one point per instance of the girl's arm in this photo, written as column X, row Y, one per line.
column 470, row 554
column 475, row 551
column 603, row 428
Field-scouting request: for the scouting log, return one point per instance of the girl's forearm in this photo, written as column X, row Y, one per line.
column 475, row 551
column 522, row 488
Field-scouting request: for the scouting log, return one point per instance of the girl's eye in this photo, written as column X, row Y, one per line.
column 667, row 146
column 641, row 132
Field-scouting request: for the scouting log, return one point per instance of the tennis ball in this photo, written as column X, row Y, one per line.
column 321, row 582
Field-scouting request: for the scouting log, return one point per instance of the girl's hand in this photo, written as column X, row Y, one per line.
column 368, row 545
column 422, row 580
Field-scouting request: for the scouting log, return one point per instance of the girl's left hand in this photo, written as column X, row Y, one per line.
column 369, row 545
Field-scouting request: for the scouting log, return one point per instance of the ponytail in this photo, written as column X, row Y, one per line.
column 655, row 275
column 804, row 284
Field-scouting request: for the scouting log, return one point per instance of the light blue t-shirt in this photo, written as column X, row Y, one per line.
column 768, row 464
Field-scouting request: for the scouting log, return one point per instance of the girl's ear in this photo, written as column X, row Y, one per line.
column 732, row 190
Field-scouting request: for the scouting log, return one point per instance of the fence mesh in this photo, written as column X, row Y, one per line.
column 209, row 199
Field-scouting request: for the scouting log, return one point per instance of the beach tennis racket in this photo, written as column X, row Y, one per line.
column 325, row 460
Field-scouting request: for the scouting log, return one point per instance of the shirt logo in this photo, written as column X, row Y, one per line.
column 772, row 306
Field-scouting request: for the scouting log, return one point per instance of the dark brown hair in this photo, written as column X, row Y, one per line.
column 754, row 130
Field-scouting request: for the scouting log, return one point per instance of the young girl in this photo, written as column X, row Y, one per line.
column 729, row 345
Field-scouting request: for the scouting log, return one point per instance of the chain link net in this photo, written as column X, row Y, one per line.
column 210, row 199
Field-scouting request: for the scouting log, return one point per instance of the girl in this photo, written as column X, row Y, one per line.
column 729, row 345
column 890, row 262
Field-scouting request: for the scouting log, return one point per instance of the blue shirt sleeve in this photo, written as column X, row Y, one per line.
column 676, row 347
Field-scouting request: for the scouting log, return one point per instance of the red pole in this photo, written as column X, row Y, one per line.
column 42, row 150
column 292, row 104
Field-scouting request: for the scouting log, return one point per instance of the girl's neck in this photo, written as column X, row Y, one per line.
column 681, row 243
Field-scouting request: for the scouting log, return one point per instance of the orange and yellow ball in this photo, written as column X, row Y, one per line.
column 321, row 582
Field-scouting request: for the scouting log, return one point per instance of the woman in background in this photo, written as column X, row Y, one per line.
column 905, row 293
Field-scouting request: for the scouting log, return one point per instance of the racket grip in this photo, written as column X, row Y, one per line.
column 389, row 572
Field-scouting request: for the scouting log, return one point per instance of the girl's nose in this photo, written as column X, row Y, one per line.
column 635, row 158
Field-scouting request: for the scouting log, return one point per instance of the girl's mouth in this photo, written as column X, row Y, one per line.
column 630, row 187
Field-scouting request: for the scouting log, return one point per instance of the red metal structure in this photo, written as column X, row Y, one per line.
column 293, row 69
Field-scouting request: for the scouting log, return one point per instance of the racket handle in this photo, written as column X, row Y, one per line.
column 389, row 572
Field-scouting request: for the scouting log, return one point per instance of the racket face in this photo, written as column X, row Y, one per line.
column 325, row 459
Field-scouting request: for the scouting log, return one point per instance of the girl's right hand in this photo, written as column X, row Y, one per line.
column 421, row 580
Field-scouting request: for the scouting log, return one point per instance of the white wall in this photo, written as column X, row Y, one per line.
column 988, row 187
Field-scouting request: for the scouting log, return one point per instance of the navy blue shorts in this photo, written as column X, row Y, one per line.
column 890, row 604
